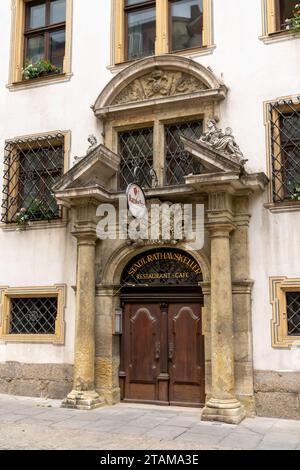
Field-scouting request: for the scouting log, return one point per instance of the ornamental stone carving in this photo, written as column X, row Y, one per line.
column 159, row 84
column 166, row 225
column 223, row 142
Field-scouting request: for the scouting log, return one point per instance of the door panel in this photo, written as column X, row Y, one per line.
column 141, row 351
column 186, row 354
column 163, row 354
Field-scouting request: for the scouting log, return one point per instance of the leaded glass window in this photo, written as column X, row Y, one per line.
column 31, row 168
column 136, row 149
column 178, row 162
column 285, row 149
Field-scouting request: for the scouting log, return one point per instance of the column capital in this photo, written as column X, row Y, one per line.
column 220, row 230
column 85, row 233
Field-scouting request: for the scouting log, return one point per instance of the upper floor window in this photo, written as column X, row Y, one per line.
column 140, row 28
column 186, row 24
column 282, row 15
column 284, row 119
column 45, row 32
column 31, row 168
column 147, row 27
column 41, row 41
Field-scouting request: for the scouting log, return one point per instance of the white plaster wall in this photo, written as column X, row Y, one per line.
column 253, row 71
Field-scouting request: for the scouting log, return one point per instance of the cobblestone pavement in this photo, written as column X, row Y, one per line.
column 32, row 423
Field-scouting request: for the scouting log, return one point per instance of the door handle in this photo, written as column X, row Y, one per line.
column 157, row 350
column 171, row 351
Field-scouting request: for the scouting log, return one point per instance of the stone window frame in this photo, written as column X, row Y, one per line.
column 7, row 293
column 286, row 206
column 63, row 220
column 279, row 286
column 162, row 32
column 168, row 114
column 270, row 32
column 15, row 81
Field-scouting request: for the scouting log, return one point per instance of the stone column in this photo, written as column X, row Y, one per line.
column 223, row 404
column 83, row 395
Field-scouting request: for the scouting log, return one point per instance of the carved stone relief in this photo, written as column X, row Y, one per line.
column 159, row 84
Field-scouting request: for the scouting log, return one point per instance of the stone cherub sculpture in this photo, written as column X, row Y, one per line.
column 223, row 142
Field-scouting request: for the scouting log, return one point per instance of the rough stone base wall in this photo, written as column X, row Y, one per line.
column 36, row 380
column 277, row 394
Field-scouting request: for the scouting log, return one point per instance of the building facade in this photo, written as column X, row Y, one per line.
column 155, row 87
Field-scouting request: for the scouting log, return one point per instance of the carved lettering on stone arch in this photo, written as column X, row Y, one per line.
column 159, row 84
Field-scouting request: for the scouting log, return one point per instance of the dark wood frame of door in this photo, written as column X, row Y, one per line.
column 162, row 297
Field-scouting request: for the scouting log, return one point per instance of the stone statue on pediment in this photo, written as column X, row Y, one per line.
column 221, row 141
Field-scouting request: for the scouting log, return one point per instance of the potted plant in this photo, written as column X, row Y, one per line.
column 39, row 69
column 293, row 24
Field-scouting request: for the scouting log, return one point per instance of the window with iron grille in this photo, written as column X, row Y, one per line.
column 136, row 150
column 31, row 168
column 32, row 316
column 293, row 313
column 285, row 149
column 178, row 162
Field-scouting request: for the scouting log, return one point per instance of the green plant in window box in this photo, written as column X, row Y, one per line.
column 293, row 24
column 295, row 190
column 39, row 69
column 296, row 194
column 22, row 219
column 37, row 210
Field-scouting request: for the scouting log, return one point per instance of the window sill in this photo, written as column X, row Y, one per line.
column 39, row 339
column 38, row 82
column 279, row 207
column 279, row 37
column 206, row 50
column 38, row 225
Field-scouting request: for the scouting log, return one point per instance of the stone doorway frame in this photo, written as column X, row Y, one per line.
column 108, row 299
column 225, row 188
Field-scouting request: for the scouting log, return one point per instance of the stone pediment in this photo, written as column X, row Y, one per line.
column 213, row 161
column 159, row 84
column 96, row 169
column 155, row 81
column 222, row 162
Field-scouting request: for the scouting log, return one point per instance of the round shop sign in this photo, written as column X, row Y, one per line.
column 136, row 201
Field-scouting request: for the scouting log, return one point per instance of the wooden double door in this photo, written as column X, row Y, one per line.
column 162, row 353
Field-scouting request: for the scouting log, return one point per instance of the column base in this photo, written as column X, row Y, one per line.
column 88, row 400
column 225, row 411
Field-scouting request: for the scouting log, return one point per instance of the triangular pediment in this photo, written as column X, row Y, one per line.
column 212, row 160
column 97, row 168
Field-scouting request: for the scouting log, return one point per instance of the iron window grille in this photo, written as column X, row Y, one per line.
column 33, row 315
column 293, row 313
column 285, row 149
column 136, row 149
column 31, row 168
column 178, row 162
